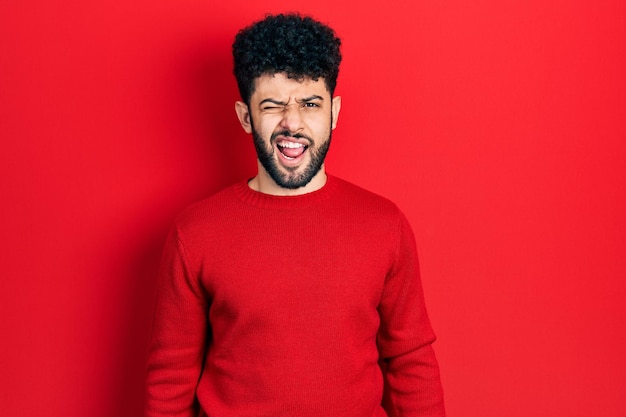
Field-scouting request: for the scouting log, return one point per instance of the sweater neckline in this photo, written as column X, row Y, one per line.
column 278, row 202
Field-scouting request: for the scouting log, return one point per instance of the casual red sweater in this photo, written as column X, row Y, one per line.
column 299, row 306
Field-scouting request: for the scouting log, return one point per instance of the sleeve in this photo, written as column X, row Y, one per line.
column 178, row 338
column 412, row 382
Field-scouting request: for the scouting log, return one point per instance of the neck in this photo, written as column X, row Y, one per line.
column 263, row 183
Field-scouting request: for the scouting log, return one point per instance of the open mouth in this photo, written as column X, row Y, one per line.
column 291, row 150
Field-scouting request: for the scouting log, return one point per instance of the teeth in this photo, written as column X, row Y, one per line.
column 291, row 145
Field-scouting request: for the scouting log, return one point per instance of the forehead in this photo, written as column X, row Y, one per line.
column 280, row 86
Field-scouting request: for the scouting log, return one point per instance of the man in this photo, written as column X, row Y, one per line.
column 294, row 293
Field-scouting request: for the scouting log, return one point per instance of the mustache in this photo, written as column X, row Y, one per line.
column 288, row 134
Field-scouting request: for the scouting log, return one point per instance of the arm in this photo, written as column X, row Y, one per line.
column 412, row 383
column 178, row 337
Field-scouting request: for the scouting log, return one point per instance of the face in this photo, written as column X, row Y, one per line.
column 291, row 122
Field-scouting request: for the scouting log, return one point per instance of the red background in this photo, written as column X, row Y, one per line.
column 497, row 126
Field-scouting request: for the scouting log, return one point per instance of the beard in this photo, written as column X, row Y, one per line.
column 288, row 177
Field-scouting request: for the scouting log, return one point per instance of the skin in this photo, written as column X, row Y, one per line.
column 279, row 108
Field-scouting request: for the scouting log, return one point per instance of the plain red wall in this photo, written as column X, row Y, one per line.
column 497, row 126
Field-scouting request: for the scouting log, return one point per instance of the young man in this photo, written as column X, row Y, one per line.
column 294, row 293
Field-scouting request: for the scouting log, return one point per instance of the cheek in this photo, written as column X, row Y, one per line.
column 268, row 125
column 321, row 126
column 267, row 132
column 263, row 127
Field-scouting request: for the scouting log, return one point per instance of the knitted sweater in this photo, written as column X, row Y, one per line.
column 298, row 306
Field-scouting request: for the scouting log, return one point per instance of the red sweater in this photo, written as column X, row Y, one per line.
column 286, row 306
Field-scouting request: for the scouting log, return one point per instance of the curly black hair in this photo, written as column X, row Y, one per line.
column 298, row 46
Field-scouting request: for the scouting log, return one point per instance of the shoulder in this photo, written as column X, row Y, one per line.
column 361, row 206
column 361, row 199
column 381, row 222
column 209, row 210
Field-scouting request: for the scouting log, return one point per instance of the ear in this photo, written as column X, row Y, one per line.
column 244, row 116
column 335, row 111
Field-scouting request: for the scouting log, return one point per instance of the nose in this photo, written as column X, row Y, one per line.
column 292, row 119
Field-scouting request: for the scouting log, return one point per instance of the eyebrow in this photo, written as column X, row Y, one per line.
column 283, row 103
